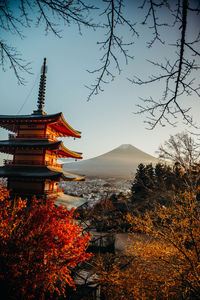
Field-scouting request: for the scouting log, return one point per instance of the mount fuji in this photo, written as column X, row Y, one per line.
column 120, row 162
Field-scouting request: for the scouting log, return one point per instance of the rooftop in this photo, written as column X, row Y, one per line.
column 37, row 172
column 9, row 146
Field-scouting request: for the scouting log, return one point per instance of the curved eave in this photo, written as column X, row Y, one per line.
column 11, row 122
column 66, row 176
column 56, row 121
column 37, row 172
column 29, row 172
column 64, row 129
column 9, row 146
column 62, row 151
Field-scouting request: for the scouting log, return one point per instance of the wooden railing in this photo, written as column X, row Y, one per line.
column 8, row 162
column 54, row 165
column 33, row 136
column 52, row 193
column 21, row 162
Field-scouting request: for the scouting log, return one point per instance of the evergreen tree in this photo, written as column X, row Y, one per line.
column 156, row 184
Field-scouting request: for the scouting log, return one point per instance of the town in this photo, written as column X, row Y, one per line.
column 96, row 189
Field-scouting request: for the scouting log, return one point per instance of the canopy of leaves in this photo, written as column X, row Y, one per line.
column 105, row 216
column 40, row 245
column 163, row 261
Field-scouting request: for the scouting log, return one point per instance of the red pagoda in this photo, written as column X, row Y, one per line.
column 35, row 148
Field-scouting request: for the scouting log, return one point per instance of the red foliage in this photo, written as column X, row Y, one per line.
column 39, row 245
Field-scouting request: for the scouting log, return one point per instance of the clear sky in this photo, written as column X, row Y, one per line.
column 108, row 119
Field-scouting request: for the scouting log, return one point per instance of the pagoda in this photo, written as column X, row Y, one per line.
column 35, row 147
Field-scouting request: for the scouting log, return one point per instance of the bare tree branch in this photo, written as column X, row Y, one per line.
column 111, row 45
column 180, row 148
column 14, row 20
column 16, row 63
column 175, row 75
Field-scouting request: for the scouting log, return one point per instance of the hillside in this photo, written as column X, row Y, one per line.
column 121, row 162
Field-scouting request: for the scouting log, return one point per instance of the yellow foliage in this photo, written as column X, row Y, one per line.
column 164, row 262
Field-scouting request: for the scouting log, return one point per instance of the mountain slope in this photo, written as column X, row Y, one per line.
column 120, row 162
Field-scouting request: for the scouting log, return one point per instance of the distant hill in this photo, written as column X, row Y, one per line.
column 121, row 162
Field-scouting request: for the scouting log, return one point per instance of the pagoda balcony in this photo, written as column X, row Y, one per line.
column 54, row 165
column 9, row 162
column 48, row 194
column 33, row 136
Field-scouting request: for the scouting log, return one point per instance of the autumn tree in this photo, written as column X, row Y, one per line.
column 163, row 261
column 177, row 73
column 102, row 216
column 40, row 245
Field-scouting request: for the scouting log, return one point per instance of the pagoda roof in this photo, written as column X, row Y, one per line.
column 56, row 121
column 37, row 172
column 63, row 128
column 67, row 176
column 62, row 151
column 9, row 146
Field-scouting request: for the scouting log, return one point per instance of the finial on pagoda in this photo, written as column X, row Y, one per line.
column 42, row 88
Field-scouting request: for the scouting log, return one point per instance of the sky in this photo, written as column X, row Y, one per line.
column 109, row 119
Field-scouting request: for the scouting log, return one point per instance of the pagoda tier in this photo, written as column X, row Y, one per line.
column 37, row 172
column 20, row 147
column 35, row 148
column 47, row 124
column 38, row 181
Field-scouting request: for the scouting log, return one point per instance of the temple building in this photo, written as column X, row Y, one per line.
column 35, row 148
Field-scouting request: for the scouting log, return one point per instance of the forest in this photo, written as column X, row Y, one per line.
column 49, row 252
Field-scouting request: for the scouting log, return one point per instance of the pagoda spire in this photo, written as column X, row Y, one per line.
column 42, row 89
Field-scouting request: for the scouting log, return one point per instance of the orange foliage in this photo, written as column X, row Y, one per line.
column 40, row 244
column 164, row 257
